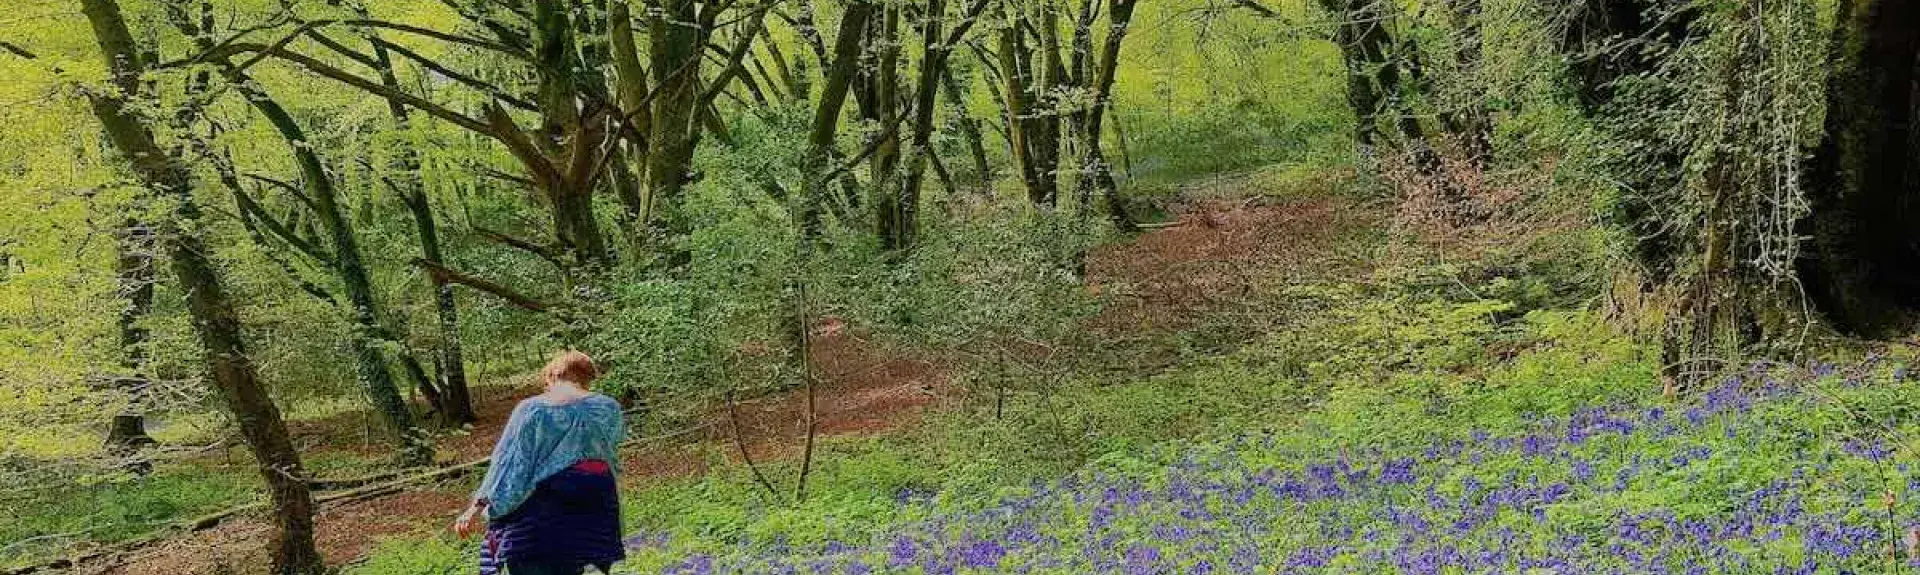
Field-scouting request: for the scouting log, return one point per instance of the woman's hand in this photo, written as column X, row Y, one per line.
column 464, row 525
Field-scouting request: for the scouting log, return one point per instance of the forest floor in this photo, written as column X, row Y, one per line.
column 1203, row 263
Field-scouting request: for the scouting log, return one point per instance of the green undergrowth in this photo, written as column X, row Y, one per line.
column 113, row 507
column 1383, row 358
column 968, row 458
column 1446, row 373
column 64, row 507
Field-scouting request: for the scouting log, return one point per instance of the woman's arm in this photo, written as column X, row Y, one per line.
column 505, row 481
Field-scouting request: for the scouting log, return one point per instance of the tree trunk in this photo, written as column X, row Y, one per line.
column 935, row 49
column 677, row 43
column 571, row 136
column 889, row 209
column 370, row 364
column 1025, row 129
column 826, row 117
column 291, row 549
column 1051, row 82
column 796, row 89
column 1373, row 76
column 969, row 129
column 1467, row 119
column 1099, row 176
column 636, row 116
column 456, row 405
column 134, row 269
column 1607, row 40
column 457, row 400
column 1374, row 83
column 1863, row 268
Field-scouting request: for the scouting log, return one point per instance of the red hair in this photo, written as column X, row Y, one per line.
column 572, row 366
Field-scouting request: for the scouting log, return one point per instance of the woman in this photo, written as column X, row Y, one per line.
column 550, row 501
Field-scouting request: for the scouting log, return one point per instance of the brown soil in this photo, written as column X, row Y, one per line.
column 862, row 390
column 354, row 432
column 1211, row 259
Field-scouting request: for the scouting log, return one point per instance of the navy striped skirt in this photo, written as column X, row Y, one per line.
column 571, row 520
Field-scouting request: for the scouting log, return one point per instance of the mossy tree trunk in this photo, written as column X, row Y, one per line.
column 1098, row 178
column 134, row 270
column 818, row 160
column 217, row 325
column 677, row 43
column 348, row 264
column 456, row 402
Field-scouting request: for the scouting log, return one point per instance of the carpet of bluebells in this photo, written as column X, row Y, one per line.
column 1794, row 473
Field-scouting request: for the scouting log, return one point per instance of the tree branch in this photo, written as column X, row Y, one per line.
column 329, row 71
column 503, row 176
column 288, row 187
column 443, row 273
column 16, row 50
column 252, row 212
column 515, row 51
column 737, row 56
column 1259, row 9
column 544, row 252
column 357, row 56
column 247, row 221
column 457, row 76
column 503, row 128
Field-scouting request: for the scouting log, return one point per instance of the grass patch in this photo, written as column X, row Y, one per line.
column 110, row 508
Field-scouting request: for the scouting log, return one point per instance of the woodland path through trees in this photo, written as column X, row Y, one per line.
column 1204, row 261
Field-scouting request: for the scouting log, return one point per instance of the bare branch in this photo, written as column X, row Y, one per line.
column 737, row 55
column 288, row 187
column 357, row 56
column 544, row 252
column 16, row 50
column 1259, row 9
column 443, row 273
column 451, row 74
column 515, row 51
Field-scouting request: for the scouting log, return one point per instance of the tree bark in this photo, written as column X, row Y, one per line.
column 291, row 548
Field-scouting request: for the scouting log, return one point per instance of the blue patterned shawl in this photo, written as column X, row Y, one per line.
column 543, row 438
